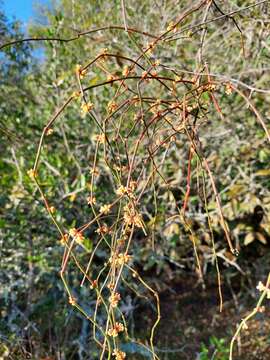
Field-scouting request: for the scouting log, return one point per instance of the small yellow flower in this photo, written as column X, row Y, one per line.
column 72, row 301
column 104, row 51
column 125, row 71
column 120, row 259
column 94, row 171
column 64, row 239
column 78, row 68
column 112, row 106
column 76, row 94
column 49, row 132
column 91, row 200
column 150, row 48
column 228, row 89
column 211, row 87
column 110, row 77
column 170, row 26
column 131, row 216
column 118, row 327
column 76, row 235
column 86, row 107
column 103, row 229
column 116, row 167
column 31, row 173
column 177, row 78
column 52, row 209
column 260, row 286
column 119, row 355
column 94, row 284
column 83, row 73
column 114, row 299
column 73, row 232
column 111, row 286
column 144, row 74
column 72, row 197
column 122, row 190
column 132, row 185
column 123, row 259
column 105, row 209
column 79, row 238
column 80, row 71
column 112, row 332
column 100, row 138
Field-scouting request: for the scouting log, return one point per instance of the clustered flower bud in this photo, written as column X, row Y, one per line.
column 123, row 190
column 76, row 235
column 103, row 229
column 170, row 26
column 100, row 138
column 31, row 173
column 52, row 209
column 131, row 216
column 91, row 200
column 86, row 107
column 119, row 355
column 49, row 132
column 262, row 288
column 64, row 239
column 105, row 209
column 116, row 329
column 110, row 77
column 81, row 72
column 112, row 106
column 120, row 259
column 114, row 299
column 125, row 71
column 72, row 301
column 228, row 89
column 94, row 284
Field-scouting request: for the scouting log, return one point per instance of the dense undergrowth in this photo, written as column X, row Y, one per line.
column 135, row 177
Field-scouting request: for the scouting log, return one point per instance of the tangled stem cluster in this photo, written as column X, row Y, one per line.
column 154, row 111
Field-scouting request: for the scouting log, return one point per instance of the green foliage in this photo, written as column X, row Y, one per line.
column 219, row 350
column 32, row 294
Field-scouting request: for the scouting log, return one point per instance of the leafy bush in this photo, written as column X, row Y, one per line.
column 149, row 155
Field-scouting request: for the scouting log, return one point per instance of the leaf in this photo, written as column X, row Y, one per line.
column 263, row 155
column 236, row 190
column 261, row 238
column 93, row 81
column 88, row 244
column 83, row 181
column 249, row 238
column 263, row 172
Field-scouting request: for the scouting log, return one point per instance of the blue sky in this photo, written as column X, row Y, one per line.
column 21, row 9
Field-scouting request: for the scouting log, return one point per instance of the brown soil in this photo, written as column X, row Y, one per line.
column 190, row 316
